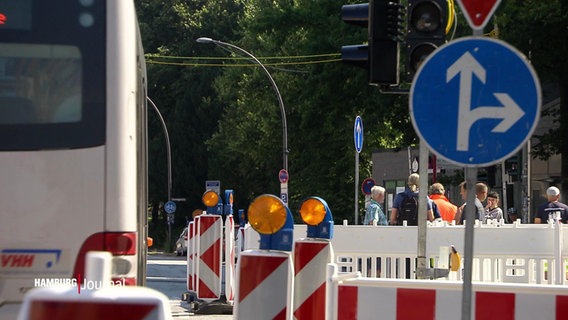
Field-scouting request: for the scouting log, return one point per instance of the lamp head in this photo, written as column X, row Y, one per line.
column 204, row 40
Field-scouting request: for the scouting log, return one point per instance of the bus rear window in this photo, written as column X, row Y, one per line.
column 40, row 84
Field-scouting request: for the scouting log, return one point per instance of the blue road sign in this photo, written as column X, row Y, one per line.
column 475, row 101
column 358, row 134
column 170, row 207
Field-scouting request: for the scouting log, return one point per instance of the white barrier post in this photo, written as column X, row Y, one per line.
column 560, row 272
column 97, row 297
column 229, row 258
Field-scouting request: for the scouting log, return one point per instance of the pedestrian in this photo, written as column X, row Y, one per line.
column 492, row 210
column 552, row 210
column 374, row 213
column 445, row 207
column 480, row 195
column 405, row 204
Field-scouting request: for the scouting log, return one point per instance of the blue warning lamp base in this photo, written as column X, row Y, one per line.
column 282, row 239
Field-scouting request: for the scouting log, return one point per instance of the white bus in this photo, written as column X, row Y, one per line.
column 73, row 167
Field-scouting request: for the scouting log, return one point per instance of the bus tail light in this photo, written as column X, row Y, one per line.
column 122, row 245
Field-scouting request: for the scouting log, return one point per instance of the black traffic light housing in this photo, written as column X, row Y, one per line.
column 426, row 31
column 512, row 167
column 381, row 55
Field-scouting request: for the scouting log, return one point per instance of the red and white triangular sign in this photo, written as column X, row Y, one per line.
column 478, row 12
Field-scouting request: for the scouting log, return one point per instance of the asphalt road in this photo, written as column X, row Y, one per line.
column 167, row 274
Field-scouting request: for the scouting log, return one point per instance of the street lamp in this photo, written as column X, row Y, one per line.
column 169, row 157
column 280, row 102
column 168, row 149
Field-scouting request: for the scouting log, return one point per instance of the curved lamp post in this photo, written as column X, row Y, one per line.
column 280, row 102
column 169, row 157
column 168, row 149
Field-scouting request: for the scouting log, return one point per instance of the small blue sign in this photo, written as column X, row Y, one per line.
column 170, row 207
column 358, row 134
column 475, row 101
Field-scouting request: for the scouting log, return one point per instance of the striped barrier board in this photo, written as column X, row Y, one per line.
column 208, row 257
column 190, row 256
column 265, row 285
column 311, row 257
column 360, row 298
column 111, row 303
column 98, row 299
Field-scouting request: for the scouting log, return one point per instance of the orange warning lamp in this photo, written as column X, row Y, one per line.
column 267, row 214
column 272, row 219
column 316, row 214
column 210, row 198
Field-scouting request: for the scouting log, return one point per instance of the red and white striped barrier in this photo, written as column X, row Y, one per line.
column 311, row 257
column 354, row 297
column 98, row 299
column 265, row 286
column 190, row 256
column 208, row 257
column 229, row 258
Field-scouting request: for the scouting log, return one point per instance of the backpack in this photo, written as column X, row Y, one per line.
column 408, row 210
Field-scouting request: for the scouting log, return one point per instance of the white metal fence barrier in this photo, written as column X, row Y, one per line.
column 509, row 253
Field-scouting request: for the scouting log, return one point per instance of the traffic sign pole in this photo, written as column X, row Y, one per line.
column 356, row 187
column 358, row 138
column 470, row 178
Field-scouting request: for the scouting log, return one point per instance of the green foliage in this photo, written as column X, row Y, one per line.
column 321, row 102
column 225, row 122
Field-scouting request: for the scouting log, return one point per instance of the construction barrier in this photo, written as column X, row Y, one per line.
column 351, row 296
column 265, row 284
column 310, row 258
column 99, row 298
column 208, row 256
column 190, row 256
column 229, row 270
column 508, row 253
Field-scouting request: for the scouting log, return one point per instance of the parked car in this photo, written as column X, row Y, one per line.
column 181, row 243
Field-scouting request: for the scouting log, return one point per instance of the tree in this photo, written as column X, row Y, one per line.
column 169, row 29
column 321, row 101
column 538, row 28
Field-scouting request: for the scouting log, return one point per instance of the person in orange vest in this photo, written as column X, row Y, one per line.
column 447, row 209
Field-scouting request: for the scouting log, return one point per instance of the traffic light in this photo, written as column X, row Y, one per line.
column 512, row 167
column 427, row 21
column 380, row 56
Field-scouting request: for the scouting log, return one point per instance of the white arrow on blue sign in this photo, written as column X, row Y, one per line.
column 475, row 101
column 358, row 134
